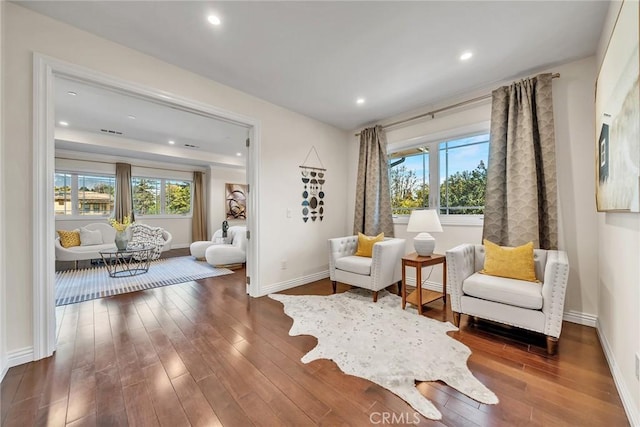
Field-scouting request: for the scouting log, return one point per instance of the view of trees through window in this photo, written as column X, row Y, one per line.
column 461, row 175
column 76, row 194
column 148, row 194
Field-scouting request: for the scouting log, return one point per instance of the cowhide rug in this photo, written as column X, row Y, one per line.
column 384, row 344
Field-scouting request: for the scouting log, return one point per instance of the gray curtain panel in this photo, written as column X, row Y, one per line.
column 373, row 200
column 124, row 198
column 521, row 196
column 199, row 219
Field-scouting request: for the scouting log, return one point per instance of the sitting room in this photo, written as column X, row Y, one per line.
column 389, row 213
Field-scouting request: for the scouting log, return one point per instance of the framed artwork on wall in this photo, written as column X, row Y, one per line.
column 618, row 117
column 235, row 201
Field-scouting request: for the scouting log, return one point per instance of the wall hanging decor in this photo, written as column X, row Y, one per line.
column 313, row 179
column 618, row 117
column 235, row 201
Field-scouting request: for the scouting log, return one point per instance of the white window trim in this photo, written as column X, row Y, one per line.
column 433, row 142
column 75, row 191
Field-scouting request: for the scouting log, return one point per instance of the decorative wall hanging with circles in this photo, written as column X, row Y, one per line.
column 313, row 179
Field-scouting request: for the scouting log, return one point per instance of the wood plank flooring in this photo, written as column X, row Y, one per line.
column 204, row 354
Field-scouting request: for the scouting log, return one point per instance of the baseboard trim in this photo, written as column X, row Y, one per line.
column 580, row 318
column 3, row 371
column 19, row 357
column 180, row 246
column 299, row 281
column 623, row 391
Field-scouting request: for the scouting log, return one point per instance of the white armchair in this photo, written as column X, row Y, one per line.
column 223, row 251
column 537, row 307
column 381, row 270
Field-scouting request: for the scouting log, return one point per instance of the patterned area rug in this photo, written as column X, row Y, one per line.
column 82, row 285
column 384, row 344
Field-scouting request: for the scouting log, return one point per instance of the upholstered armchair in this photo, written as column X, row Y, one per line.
column 534, row 306
column 375, row 273
column 223, row 250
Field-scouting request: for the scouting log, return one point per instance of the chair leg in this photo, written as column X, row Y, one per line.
column 333, row 284
column 375, row 296
column 456, row 319
column 399, row 287
column 552, row 345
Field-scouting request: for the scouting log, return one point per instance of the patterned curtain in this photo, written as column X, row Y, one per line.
column 199, row 220
column 521, row 195
column 124, row 197
column 373, row 200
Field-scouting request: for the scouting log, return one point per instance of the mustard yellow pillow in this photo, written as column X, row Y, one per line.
column 513, row 263
column 69, row 238
column 365, row 244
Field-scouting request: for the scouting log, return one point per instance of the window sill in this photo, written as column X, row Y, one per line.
column 448, row 220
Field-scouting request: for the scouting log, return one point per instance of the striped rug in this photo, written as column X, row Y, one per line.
column 82, row 285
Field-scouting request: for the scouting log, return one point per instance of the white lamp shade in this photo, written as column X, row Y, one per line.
column 421, row 222
column 424, row 220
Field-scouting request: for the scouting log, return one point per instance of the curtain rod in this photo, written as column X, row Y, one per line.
column 448, row 107
column 138, row 166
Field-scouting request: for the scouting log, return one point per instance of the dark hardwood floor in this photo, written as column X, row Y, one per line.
column 203, row 353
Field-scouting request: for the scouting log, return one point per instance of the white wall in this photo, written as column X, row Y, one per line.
column 619, row 282
column 574, row 118
column 285, row 139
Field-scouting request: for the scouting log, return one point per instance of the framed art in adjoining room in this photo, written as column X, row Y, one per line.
column 618, row 117
column 235, row 201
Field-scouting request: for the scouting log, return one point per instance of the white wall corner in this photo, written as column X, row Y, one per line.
column 3, row 310
column 288, row 284
column 630, row 407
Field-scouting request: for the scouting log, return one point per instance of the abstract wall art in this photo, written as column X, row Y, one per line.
column 235, row 201
column 313, row 195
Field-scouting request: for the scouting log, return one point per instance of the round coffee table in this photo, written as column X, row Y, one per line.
column 127, row 262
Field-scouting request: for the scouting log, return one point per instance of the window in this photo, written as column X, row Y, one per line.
column 76, row 194
column 459, row 170
column 159, row 196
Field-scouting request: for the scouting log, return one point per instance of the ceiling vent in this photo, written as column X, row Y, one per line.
column 112, row 132
column 191, row 146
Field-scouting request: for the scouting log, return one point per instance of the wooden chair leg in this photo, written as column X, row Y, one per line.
column 375, row 296
column 552, row 345
column 399, row 287
column 333, row 284
column 456, row 319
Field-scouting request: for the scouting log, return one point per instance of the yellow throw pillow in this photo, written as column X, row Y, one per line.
column 513, row 263
column 69, row 238
column 365, row 244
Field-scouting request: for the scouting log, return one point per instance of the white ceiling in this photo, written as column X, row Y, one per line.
column 318, row 57
column 117, row 117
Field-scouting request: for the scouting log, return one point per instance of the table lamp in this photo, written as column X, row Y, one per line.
column 423, row 222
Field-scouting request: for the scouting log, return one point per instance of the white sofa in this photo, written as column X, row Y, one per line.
column 79, row 253
column 219, row 251
column 537, row 307
column 381, row 270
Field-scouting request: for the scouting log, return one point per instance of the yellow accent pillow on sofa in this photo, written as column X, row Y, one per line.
column 365, row 244
column 513, row 263
column 69, row 238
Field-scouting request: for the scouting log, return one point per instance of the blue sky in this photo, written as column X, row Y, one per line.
column 460, row 159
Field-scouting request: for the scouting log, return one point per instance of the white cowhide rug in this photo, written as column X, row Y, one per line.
column 384, row 344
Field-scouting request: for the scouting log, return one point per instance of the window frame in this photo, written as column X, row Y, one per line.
column 75, row 199
column 432, row 143
column 163, row 198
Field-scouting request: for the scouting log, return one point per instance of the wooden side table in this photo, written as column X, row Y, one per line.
column 420, row 296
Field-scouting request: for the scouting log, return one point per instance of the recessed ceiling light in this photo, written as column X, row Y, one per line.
column 238, row 154
column 63, row 123
column 131, row 116
column 71, row 93
column 360, row 101
column 172, row 142
column 213, row 20
column 465, row 56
